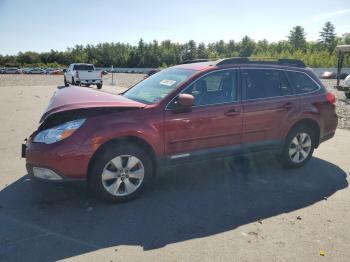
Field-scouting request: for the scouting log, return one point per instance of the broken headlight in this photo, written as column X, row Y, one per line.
column 57, row 133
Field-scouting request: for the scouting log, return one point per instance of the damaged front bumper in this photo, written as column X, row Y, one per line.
column 43, row 173
column 61, row 161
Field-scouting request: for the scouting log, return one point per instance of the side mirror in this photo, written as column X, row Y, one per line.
column 184, row 103
column 64, row 70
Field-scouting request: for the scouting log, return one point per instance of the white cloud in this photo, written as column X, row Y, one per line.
column 325, row 16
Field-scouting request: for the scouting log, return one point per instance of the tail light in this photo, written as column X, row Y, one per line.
column 77, row 74
column 101, row 74
column 330, row 98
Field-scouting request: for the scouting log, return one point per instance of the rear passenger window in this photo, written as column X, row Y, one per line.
column 263, row 83
column 302, row 83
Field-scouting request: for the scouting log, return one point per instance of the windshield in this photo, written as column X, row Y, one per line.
column 156, row 87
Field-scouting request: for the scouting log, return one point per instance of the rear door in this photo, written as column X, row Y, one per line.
column 268, row 102
column 214, row 125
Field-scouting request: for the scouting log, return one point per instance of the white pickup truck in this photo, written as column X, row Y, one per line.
column 82, row 74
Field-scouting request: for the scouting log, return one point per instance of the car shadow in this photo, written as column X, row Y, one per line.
column 187, row 202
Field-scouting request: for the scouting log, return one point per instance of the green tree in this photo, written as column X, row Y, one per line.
column 231, row 50
column 202, row 51
column 328, row 37
column 247, row 46
column 28, row 58
column 192, row 49
column 297, row 38
column 220, row 48
column 167, row 53
column 346, row 39
column 262, row 47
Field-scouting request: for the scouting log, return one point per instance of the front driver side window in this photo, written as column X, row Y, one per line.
column 215, row 88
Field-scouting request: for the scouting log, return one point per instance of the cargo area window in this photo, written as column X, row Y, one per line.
column 302, row 83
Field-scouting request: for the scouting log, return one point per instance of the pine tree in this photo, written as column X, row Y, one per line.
column 297, row 38
column 328, row 37
column 201, row 51
column 191, row 50
column 247, row 47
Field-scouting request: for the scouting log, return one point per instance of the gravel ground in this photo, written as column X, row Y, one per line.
column 127, row 80
column 342, row 104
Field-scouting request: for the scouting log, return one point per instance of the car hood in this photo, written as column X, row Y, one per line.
column 72, row 98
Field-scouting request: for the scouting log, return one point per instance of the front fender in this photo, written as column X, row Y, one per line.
column 99, row 131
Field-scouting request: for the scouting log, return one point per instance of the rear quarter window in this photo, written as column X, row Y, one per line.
column 302, row 83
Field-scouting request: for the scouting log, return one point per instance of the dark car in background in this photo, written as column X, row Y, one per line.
column 186, row 113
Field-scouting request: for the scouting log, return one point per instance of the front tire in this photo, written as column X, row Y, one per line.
column 65, row 82
column 347, row 95
column 299, row 147
column 120, row 172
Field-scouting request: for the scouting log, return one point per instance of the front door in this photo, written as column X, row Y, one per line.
column 215, row 123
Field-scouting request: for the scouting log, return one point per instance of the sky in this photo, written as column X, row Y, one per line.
column 35, row 25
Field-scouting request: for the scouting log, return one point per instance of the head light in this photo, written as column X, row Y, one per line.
column 58, row 133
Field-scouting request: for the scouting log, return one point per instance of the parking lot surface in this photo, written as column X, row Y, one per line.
column 224, row 210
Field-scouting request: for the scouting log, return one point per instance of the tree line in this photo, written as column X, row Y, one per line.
column 156, row 54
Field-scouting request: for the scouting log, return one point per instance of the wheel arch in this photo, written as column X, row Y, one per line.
column 309, row 123
column 125, row 139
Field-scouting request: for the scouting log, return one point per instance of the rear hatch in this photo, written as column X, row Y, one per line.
column 87, row 72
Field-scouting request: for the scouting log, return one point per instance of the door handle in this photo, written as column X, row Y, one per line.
column 232, row 112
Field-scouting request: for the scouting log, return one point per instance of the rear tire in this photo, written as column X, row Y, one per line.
column 99, row 86
column 299, row 147
column 347, row 95
column 120, row 172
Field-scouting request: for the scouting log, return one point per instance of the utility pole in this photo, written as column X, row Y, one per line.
column 112, row 83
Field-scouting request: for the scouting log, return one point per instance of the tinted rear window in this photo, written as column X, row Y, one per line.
column 83, row 67
column 302, row 83
column 264, row 83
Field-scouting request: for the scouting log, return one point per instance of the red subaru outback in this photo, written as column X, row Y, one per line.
column 184, row 113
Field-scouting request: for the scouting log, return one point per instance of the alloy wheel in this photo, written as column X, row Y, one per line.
column 300, row 147
column 123, row 175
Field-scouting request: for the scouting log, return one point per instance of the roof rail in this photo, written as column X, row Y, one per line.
column 260, row 60
column 232, row 60
column 291, row 62
column 195, row 61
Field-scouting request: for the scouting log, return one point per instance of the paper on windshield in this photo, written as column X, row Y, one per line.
column 167, row 82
